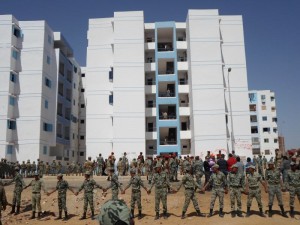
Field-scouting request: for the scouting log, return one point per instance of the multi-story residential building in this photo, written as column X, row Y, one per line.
column 40, row 90
column 263, row 119
column 168, row 86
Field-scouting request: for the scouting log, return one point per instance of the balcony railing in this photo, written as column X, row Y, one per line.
column 151, row 129
column 167, row 142
column 150, row 82
column 166, row 94
column 150, row 105
column 164, row 47
column 165, row 116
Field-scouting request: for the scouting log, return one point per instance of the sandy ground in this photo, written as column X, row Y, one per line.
column 175, row 203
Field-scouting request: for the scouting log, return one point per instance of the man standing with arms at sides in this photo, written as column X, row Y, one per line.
column 190, row 187
column 275, row 185
column 100, row 162
column 124, row 164
column 162, row 183
column 253, row 190
column 88, row 187
column 19, row 185
column 136, row 183
column 61, row 187
column 292, row 183
column 36, row 185
column 219, row 184
column 236, row 184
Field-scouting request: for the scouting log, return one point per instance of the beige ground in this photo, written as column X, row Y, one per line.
column 175, row 203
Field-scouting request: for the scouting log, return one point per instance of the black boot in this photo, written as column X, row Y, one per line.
column 157, row 216
column 270, row 211
column 221, row 214
column 165, row 215
column 39, row 215
column 13, row 207
column 59, row 215
column 248, row 212
column 210, row 213
column 33, row 215
column 83, row 216
column 93, row 215
column 261, row 213
column 183, row 216
column 132, row 213
column 18, row 210
column 140, row 214
column 199, row 213
column 232, row 213
column 239, row 213
column 66, row 216
column 292, row 212
column 283, row 213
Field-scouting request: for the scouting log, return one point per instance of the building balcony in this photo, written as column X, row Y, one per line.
column 149, row 112
column 185, row 134
column 150, row 45
column 150, row 67
column 184, row 89
column 182, row 66
column 11, row 136
column 151, row 135
column 184, row 110
column 150, row 89
column 181, row 45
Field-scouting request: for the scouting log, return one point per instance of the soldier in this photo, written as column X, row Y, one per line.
column 3, row 200
column 115, row 212
column 23, row 169
column 28, row 168
column 264, row 160
column 275, row 185
column 115, row 185
column 181, row 165
column 162, row 183
column 100, row 163
column 58, row 168
column 120, row 167
column 278, row 158
column 219, row 184
column 113, row 158
column 149, row 168
column 89, row 166
column 61, row 187
column 124, row 164
column 173, row 167
column 185, row 164
column 190, row 187
column 292, row 184
column 36, row 185
column 260, row 166
column 198, row 170
column 253, row 190
column 41, row 168
column 53, row 168
column 33, row 167
column 236, row 184
column 136, row 183
column 47, row 169
column 88, row 186
column 19, row 185
column 110, row 165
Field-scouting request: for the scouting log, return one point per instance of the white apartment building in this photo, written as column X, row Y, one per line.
column 264, row 128
column 166, row 86
column 39, row 93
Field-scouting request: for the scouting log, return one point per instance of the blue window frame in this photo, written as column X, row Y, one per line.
column 46, row 104
column 11, row 100
column 45, row 150
column 47, row 82
column 15, row 54
column 48, row 60
column 11, row 124
column 9, row 149
column 13, row 77
column 48, row 127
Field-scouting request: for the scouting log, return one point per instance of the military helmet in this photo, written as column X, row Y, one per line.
column 133, row 171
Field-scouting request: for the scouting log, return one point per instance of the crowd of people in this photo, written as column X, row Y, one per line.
column 220, row 177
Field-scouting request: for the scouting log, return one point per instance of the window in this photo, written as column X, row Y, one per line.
column 253, row 119
column 74, row 85
column 254, row 130
column 59, row 130
column 17, row 32
column 49, row 39
column 11, row 100
column 264, row 118
column 61, row 89
column 81, row 153
column 252, row 108
column 263, row 107
column 83, row 75
column 47, row 82
column 266, row 129
column 68, row 94
column 184, row 146
column 13, row 77
column 59, row 109
column 73, row 136
column 111, row 99
column 274, row 119
column 74, row 102
column 151, row 147
column 275, row 130
column 256, row 151
column 263, row 97
column 111, row 75
column 69, row 76
column 62, row 68
column 45, row 150
column 46, row 104
column 82, row 106
column 75, row 69
column 82, row 121
column 266, row 140
column 11, row 124
column 9, row 149
column 67, row 133
column 68, row 113
column 81, row 137
column 48, row 60
column 47, row 127
column 275, row 140
column 272, row 98
column 15, row 54
column 267, row 152
column 273, row 109
column 255, row 140
column 82, row 89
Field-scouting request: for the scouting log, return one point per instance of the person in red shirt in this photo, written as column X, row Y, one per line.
column 230, row 161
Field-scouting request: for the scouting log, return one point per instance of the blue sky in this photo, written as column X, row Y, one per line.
column 271, row 27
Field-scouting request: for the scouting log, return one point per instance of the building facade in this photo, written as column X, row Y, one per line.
column 166, row 87
column 264, row 128
column 39, row 91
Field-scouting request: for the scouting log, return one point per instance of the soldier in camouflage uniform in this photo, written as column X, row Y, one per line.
column 41, row 168
column 292, row 184
column 47, row 169
column 3, row 200
column 259, row 164
column 61, row 187
column 36, row 185
column 219, row 184
column 124, row 165
column 253, row 190
column 33, row 167
column 190, row 187
column 23, row 169
column 53, row 168
column 120, row 167
column 275, row 185
column 88, row 187
column 136, row 183
column 19, row 185
column 162, row 183
column 110, row 165
column 236, row 184
column 58, row 168
column 198, row 170
column 28, row 168
column 100, row 163
column 115, row 185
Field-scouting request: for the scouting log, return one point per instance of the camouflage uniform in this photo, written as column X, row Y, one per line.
column 36, row 195
column 162, row 183
column 124, row 165
column 53, row 168
column 19, row 185
column 3, row 201
column 218, row 181
column 198, row 171
column 273, row 178
column 115, row 185
column 100, row 165
column 28, row 169
column 236, row 184
column 136, row 183
column 254, row 190
column 120, row 167
column 88, row 186
column 23, row 169
column 293, row 185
